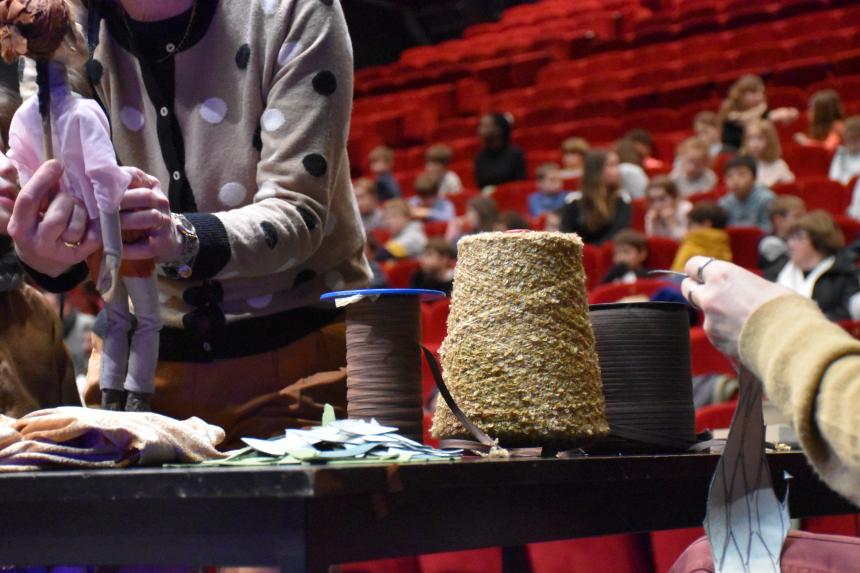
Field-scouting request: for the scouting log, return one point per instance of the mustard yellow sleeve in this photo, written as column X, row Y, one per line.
column 811, row 368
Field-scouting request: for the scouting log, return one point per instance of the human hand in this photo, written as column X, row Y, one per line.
column 58, row 238
column 784, row 114
column 802, row 138
column 728, row 297
column 145, row 208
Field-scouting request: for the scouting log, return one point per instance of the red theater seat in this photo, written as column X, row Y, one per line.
column 661, row 253
column 615, row 292
column 744, row 242
column 399, row 273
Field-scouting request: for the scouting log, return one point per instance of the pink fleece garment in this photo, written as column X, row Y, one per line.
column 82, row 144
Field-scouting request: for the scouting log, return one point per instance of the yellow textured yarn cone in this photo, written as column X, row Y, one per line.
column 520, row 358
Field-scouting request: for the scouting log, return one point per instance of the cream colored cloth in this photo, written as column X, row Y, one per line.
column 71, row 437
column 811, row 368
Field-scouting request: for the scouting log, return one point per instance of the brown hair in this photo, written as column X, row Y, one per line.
column 628, row 152
column 441, row 246
column 824, row 234
column 545, row 169
column 597, row 203
column 488, row 212
column 9, row 103
column 744, row 84
column 34, row 29
column 382, row 153
column 772, row 148
column 826, row 110
column 852, row 128
column 426, row 184
column 440, row 153
column 693, row 144
column 399, row 206
column 575, row 145
column 709, row 212
column 783, row 204
column 664, row 182
column 632, row 238
column 706, row 117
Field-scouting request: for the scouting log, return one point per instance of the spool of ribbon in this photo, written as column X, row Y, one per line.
column 383, row 355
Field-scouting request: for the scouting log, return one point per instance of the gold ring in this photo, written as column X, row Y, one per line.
column 72, row 245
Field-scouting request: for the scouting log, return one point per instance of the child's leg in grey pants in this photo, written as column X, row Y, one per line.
column 115, row 349
column 143, row 359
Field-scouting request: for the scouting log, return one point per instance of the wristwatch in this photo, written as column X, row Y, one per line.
column 183, row 266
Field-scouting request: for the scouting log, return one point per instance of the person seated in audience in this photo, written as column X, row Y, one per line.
column 368, row 204
column 426, row 204
column 552, row 221
column 818, row 267
column 634, row 180
column 550, row 192
column 437, row 266
column 629, row 253
column 407, row 236
column 437, row 161
column 667, row 212
column 499, row 161
column 599, row 210
column 512, row 221
column 371, row 249
column 762, row 142
column 846, row 160
column 706, row 126
column 707, row 236
column 784, row 212
column 746, row 102
column 573, row 150
column 482, row 215
column 645, row 144
column 826, row 120
column 381, row 166
column 747, row 202
column 692, row 173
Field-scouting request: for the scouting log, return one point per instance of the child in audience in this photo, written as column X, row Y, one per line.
column 368, row 204
column 381, row 166
column 511, row 221
column 407, row 236
column 747, row 202
column 629, row 253
column 600, row 210
column 633, row 176
column 691, row 173
column 667, row 212
column 499, row 161
column 707, row 236
column 706, row 126
column 437, row 162
column 784, row 212
column 437, row 266
column 645, row 144
column 846, row 161
column 550, row 194
column 747, row 101
column 762, row 142
column 826, row 116
column 426, row 204
column 573, row 150
column 482, row 215
column 371, row 249
column 818, row 267
column 552, row 222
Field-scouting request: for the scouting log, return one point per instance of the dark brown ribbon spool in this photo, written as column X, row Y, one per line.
column 644, row 355
column 383, row 355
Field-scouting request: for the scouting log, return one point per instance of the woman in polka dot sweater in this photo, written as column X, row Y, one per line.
column 241, row 110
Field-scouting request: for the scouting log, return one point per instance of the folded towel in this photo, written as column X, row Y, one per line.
column 71, row 437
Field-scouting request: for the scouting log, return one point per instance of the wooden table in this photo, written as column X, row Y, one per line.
column 304, row 518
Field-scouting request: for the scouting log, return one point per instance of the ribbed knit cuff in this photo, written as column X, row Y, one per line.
column 63, row 283
column 214, row 251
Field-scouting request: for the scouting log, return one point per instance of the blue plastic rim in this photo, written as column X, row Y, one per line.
column 426, row 295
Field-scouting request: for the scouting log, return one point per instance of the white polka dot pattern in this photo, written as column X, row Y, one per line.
column 272, row 120
column 288, row 51
column 131, row 118
column 213, row 110
column 232, row 194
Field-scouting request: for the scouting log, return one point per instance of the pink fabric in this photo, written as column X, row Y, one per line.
column 82, row 143
column 803, row 553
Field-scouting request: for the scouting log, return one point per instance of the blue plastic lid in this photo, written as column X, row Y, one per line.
column 425, row 294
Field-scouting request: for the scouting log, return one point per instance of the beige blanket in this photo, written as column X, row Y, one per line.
column 71, row 437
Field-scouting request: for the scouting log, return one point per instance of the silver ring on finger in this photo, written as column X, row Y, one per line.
column 700, row 274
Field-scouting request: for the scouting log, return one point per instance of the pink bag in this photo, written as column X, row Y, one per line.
column 803, row 553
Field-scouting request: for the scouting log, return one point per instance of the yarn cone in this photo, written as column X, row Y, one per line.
column 520, row 357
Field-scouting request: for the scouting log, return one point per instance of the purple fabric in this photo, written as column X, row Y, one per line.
column 803, row 553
